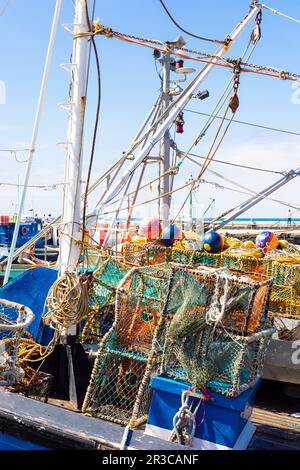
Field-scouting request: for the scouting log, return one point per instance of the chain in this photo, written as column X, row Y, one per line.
column 184, row 422
column 145, row 40
column 237, row 73
column 99, row 29
column 259, row 18
column 234, row 101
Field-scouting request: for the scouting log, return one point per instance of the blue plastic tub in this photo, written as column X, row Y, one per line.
column 226, row 424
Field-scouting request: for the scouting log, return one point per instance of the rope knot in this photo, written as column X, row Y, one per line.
column 283, row 74
column 98, row 28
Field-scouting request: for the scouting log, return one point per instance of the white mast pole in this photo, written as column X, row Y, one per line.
column 34, row 138
column 165, row 125
column 69, row 249
column 165, row 145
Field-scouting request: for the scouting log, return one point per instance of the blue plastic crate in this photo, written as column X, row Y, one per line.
column 225, row 425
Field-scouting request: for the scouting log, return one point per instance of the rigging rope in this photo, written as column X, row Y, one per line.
column 283, row 131
column 236, row 165
column 247, row 191
column 229, row 211
column 45, row 187
column 99, row 29
column 276, row 12
column 14, row 150
column 153, row 199
column 218, row 186
column 225, row 95
column 172, row 170
column 254, row 193
column 212, row 152
column 192, row 183
column 216, row 41
column 93, row 44
column 202, row 56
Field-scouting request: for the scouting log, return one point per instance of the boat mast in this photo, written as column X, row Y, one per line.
column 165, row 145
column 71, row 232
column 163, row 126
column 35, row 132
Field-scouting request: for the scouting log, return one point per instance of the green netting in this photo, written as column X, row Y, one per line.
column 116, row 388
column 170, row 315
column 239, row 302
column 194, row 258
column 187, row 258
column 286, row 274
column 101, row 312
column 208, row 357
column 108, row 276
column 119, row 390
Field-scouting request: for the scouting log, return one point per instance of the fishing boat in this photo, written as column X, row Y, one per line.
column 146, row 334
column 43, row 252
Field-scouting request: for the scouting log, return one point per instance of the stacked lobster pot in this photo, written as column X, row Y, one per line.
column 220, row 331
column 147, row 254
column 128, row 357
column 102, row 295
column 212, row 359
column 285, row 296
column 199, row 327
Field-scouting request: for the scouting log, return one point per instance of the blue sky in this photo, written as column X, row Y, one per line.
column 130, row 86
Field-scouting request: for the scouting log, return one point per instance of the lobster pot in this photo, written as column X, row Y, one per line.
column 140, row 302
column 286, row 274
column 194, row 258
column 285, row 295
column 120, row 388
column 248, row 264
column 284, row 302
column 92, row 259
column 100, row 315
column 14, row 320
column 160, row 311
column 35, row 385
column 187, row 257
column 107, row 278
column 225, row 363
column 96, row 323
column 204, row 295
column 148, row 254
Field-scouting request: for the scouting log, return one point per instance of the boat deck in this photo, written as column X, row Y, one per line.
column 276, row 428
